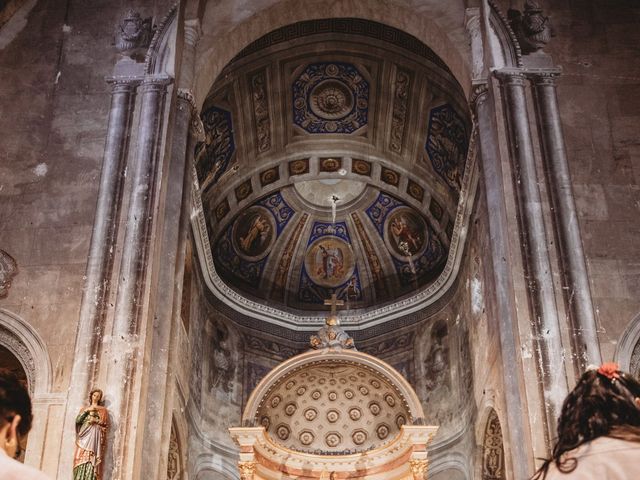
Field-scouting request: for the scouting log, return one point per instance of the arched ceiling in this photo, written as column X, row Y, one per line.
column 334, row 161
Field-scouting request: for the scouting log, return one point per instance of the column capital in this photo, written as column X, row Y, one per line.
column 510, row 76
column 123, row 84
column 479, row 95
column 196, row 127
column 155, row 83
column 544, row 77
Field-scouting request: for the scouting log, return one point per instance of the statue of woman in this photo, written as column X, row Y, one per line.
column 91, row 428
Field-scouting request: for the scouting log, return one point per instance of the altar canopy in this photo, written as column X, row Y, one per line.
column 333, row 413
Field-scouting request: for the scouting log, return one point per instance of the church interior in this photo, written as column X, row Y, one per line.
column 296, row 239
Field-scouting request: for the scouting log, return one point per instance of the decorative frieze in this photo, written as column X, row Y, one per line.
column 400, row 111
column 261, row 112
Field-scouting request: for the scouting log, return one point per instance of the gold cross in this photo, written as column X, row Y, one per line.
column 334, row 302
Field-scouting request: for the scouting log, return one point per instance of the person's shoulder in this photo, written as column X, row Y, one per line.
column 14, row 470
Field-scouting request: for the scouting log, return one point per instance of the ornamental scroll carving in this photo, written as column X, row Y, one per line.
column 174, row 472
column 261, row 112
column 493, row 451
column 400, row 110
column 8, row 270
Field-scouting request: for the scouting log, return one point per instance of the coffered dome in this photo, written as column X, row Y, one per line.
column 343, row 174
column 333, row 408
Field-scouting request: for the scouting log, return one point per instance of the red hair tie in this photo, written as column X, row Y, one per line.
column 610, row 370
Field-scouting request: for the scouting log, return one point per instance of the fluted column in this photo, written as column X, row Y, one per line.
column 551, row 359
column 516, row 421
column 128, row 335
column 578, row 294
column 100, row 260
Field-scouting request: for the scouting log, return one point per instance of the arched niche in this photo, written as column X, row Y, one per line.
column 19, row 338
column 628, row 350
column 493, row 459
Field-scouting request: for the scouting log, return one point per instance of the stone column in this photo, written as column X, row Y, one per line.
column 578, row 295
column 100, row 260
column 127, row 349
column 170, row 265
column 541, row 291
column 517, row 429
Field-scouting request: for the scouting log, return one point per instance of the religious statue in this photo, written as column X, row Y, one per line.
column 91, row 430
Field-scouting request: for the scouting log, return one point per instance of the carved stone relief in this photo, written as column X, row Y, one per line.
column 8, row 270
column 493, row 451
column 261, row 112
column 634, row 365
column 174, row 458
column 133, row 34
column 531, row 27
column 22, row 353
column 400, row 110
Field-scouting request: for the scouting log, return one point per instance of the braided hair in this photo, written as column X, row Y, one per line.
column 603, row 403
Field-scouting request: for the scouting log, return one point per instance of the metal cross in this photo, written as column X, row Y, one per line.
column 334, row 302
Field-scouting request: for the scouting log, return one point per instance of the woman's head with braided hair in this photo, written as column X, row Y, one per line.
column 605, row 402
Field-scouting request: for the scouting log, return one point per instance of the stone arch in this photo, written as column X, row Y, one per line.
column 280, row 14
column 628, row 349
column 493, row 458
column 161, row 53
column 24, row 342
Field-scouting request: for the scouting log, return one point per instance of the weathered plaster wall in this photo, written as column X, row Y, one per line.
column 597, row 44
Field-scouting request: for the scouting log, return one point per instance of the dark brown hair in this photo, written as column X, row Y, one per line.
column 14, row 400
column 599, row 405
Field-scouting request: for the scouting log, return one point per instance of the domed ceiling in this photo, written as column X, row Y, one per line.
column 334, row 162
column 334, row 409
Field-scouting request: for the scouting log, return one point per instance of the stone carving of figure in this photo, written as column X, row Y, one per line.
column 91, row 430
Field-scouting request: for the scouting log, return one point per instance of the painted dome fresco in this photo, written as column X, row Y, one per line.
column 291, row 248
column 343, row 174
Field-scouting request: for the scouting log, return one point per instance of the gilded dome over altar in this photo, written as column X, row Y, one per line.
column 333, row 407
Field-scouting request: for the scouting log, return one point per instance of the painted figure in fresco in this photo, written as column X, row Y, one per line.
column 352, row 290
column 222, row 369
column 91, row 429
column 404, row 233
column 332, row 264
column 256, row 236
column 437, row 361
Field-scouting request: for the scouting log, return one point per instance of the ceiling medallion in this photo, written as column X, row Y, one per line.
column 330, row 98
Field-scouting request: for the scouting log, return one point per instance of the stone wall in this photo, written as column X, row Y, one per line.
column 596, row 44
